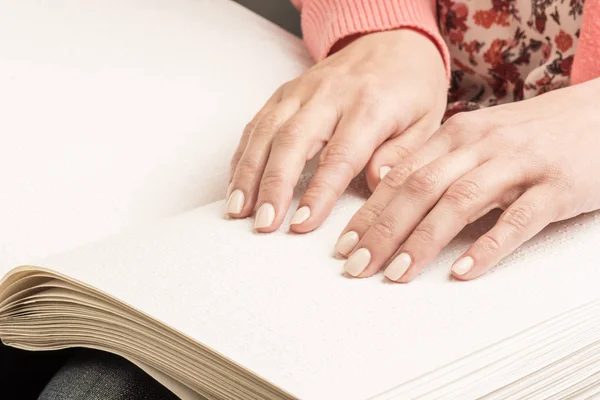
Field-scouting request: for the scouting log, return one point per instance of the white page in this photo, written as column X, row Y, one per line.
column 120, row 82
column 119, row 112
column 279, row 305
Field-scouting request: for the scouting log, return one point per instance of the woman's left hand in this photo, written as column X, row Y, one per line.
column 539, row 160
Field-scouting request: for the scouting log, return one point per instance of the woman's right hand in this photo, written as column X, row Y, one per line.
column 368, row 105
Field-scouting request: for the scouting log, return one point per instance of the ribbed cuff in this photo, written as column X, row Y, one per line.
column 324, row 22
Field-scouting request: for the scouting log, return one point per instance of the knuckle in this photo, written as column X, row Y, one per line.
column 385, row 228
column 401, row 152
column 489, row 243
column 272, row 180
column 463, row 193
column 337, row 153
column 369, row 94
column 250, row 127
column 320, row 188
column 292, row 128
column 398, row 175
column 248, row 166
column 423, row 181
column 425, row 234
column 267, row 126
column 560, row 175
column 367, row 214
column 459, row 122
column 326, row 80
column 235, row 159
column 288, row 87
column 499, row 133
column 368, row 101
column 519, row 217
column 290, row 134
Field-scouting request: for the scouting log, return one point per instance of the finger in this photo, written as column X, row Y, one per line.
column 419, row 193
column 294, row 144
column 237, row 155
column 250, row 168
column 526, row 217
column 437, row 147
column 392, row 152
column 354, row 140
column 493, row 184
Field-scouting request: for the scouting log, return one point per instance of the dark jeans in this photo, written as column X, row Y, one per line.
column 79, row 374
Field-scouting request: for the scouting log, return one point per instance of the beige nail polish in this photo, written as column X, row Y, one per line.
column 383, row 171
column 347, row 243
column 463, row 266
column 357, row 263
column 235, row 203
column 265, row 216
column 300, row 216
column 398, row 267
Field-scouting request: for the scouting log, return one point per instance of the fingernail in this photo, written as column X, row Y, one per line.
column 383, row 171
column 358, row 262
column 265, row 216
column 235, row 203
column 463, row 266
column 347, row 243
column 300, row 216
column 398, row 267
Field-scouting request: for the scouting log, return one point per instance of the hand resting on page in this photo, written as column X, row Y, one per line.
column 369, row 107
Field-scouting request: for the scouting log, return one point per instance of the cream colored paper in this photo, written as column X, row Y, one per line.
column 120, row 113
column 279, row 305
column 117, row 113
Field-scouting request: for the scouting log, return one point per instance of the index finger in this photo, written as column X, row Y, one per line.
column 354, row 141
column 292, row 147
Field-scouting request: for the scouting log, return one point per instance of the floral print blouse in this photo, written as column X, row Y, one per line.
column 508, row 50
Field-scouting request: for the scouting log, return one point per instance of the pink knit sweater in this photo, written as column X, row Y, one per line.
column 325, row 22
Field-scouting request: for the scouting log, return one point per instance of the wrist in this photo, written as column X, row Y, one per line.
column 414, row 50
column 330, row 25
column 423, row 42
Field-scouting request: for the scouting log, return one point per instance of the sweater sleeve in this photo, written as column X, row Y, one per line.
column 586, row 65
column 325, row 22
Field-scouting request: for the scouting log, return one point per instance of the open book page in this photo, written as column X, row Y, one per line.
column 114, row 112
column 121, row 113
column 279, row 305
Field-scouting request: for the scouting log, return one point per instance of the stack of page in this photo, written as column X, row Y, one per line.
column 118, row 122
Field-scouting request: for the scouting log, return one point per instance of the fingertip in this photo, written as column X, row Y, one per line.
column 375, row 172
column 300, row 216
column 408, row 277
column 346, row 243
column 383, row 171
column 235, row 204
column 300, row 222
column 411, row 274
column 462, row 269
column 398, row 267
column 319, row 205
column 265, row 218
column 372, row 174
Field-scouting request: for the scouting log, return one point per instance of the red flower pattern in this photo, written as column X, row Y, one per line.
column 563, row 40
column 518, row 58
